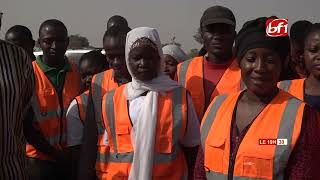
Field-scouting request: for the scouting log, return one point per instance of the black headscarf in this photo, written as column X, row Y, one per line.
column 253, row 35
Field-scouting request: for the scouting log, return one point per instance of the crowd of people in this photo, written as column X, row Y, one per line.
column 141, row 111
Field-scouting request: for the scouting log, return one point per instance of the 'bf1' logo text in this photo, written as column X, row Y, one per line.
column 277, row 27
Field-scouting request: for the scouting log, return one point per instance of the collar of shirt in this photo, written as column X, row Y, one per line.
column 206, row 57
column 46, row 68
column 55, row 75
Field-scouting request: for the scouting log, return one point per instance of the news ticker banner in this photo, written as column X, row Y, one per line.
column 279, row 142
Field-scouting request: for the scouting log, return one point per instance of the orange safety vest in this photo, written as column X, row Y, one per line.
column 107, row 84
column 169, row 161
column 101, row 83
column 50, row 112
column 82, row 102
column 294, row 87
column 280, row 119
column 190, row 75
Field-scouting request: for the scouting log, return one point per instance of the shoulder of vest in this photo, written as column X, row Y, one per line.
column 224, row 96
column 110, row 93
column 184, row 66
column 34, row 64
column 109, row 71
column 118, row 92
column 228, row 96
column 198, row 58
column 77, row 98
column 298, row 80
column 84, row 94
column 289, row 96
column 99, row 75
column 120, row 88
column 187, row 61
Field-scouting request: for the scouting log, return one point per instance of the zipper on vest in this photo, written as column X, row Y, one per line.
column 232, row 158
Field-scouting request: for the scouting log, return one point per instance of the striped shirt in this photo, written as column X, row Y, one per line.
column 16, row 88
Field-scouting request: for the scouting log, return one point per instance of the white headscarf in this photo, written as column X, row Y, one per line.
column 175, row 51
column 145, row 128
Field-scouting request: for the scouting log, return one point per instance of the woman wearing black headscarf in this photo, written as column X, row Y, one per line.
column 261, row 132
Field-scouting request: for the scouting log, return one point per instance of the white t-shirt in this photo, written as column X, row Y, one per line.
column 75, row 126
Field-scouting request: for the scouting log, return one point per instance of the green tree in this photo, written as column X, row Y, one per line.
column 78, row 42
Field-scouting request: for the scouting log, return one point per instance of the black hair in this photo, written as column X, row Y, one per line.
column 96, row 58
column 52, row 22
column 313, row 28
column 19, row 29
column 116, row 31
column 118, row 20
column 299, row 30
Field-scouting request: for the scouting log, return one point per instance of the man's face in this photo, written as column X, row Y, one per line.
column 218, row 38
column 115, row 53
column 53, row 41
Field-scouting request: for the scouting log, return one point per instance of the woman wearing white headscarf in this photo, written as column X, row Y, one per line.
column 152, row 127
column 173, row 55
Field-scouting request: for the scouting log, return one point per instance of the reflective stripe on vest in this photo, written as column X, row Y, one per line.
column 82, row 102
column 41, row 116
column 205, row 128
column 294, row 87
column 158, row 157
column 287, row 123
column 282, row 153
column 97, row 101
column 183, row 72
column 285, row 85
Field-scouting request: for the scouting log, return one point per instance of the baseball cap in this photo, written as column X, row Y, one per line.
column 218, row 14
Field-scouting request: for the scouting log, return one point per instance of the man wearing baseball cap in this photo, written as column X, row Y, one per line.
column 216, row 72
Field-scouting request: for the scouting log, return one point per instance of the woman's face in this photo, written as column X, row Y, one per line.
column 170, row 68
column 260, row 70
column 144, row 62
column 312, row 54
